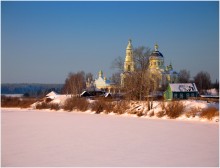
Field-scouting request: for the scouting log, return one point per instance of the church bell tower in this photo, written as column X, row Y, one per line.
column 129, row 62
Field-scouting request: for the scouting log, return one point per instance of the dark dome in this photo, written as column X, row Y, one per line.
column 156, row 54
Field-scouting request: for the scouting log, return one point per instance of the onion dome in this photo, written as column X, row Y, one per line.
column 100, row 73
column 156, row 53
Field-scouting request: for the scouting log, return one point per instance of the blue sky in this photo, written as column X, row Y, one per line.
column 43, row 41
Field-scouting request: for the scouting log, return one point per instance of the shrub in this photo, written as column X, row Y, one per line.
column 151, row 114
column 102, row 105
column 160, row 114
column 109, row 107
column 162, row 105
column 54, row 106
column 97, row 106
column 174, row 109
column 75, row 103
column 132, row 111
column 82, row 104
column 121, row 107
column 135, row 110
column 192, row 112
column 68, row 105
column 42, row 105
column 209, row 113
column 17, row 102
column 140, row 113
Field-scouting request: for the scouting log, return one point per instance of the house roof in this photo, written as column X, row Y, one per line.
column 108, row 94
column 52, row 94
column 85, row 93
column 183, row 87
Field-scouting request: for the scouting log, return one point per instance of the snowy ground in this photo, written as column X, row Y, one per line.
column 44, row 138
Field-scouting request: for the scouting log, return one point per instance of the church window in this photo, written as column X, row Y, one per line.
column 159, row 63
column 129, row 67
column 192, row 94
column 154, row 63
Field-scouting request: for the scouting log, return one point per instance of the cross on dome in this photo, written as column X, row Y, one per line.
column 156, row 47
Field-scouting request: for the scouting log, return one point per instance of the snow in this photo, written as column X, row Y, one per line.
column 52, row 95
column 60, row 99
column 213, row 92
column 45, row 138
column 183, row 87
column 13, row 95
column 57, row 98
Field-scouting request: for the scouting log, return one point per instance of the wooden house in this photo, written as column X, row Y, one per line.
column 180, row 91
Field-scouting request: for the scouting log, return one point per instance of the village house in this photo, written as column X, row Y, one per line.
column 180, row 91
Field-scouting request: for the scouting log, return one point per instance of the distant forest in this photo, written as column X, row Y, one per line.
column 30, row 89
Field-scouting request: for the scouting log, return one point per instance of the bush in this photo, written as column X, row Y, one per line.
column 135, row 110
column 174, row 109
column 42, row 105
column 68, row 105
column 192, row 112
column 98, row 106
column 54, row 106
column 108, row 107
column 151, row 114
column 162, row 105
column 75, row 103
column 82, row 104
column 102, row 105
column 17, row 102
column 160, row 114
column 140, row 113
column 121, row 107
column 209, row 113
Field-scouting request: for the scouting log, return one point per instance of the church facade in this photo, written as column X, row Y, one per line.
column 156, row 66
column 100, row 83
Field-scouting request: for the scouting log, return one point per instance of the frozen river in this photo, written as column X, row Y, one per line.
column 41, row 138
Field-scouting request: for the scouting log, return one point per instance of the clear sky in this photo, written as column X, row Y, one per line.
column 43, row 41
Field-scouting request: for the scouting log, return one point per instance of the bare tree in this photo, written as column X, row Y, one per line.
column 140, row 85
column 184, row 76
column 89, row 76
column 130, row 88
column 141, row 57
column 202, row 81
column 74, row 83
column 216, row 85
column 118, row 63
column 116, row 78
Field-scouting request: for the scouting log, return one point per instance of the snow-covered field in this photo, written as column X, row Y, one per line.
column 40, row 138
